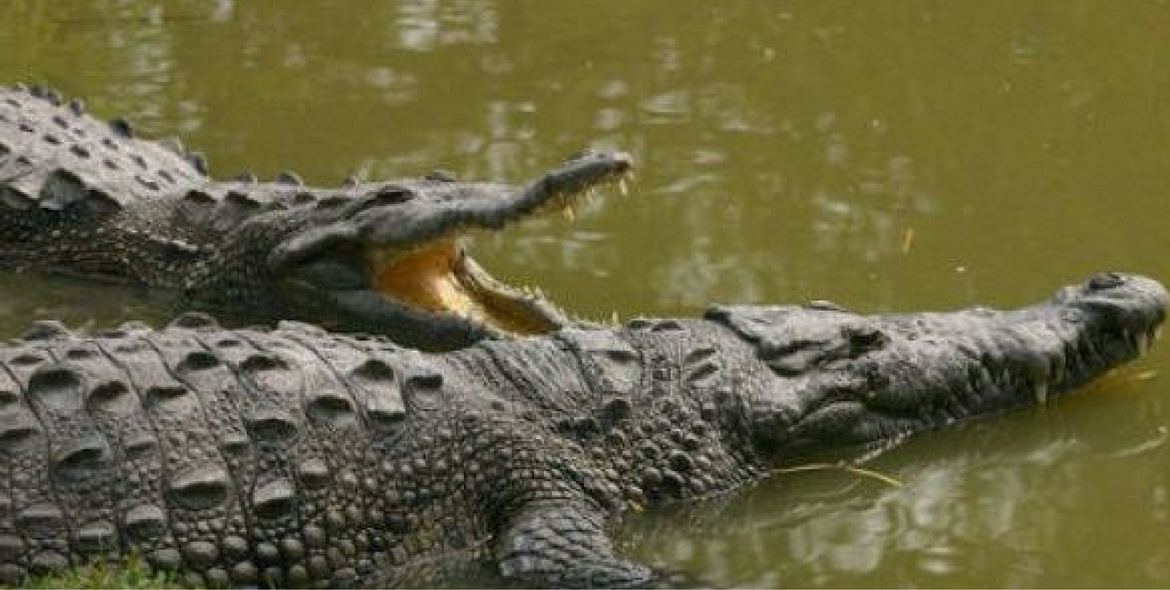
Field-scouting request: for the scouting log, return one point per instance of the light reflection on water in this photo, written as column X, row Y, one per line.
column 987, row 510
column 886, row 155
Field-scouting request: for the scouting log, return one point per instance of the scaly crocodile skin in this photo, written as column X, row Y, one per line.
column 298, row 457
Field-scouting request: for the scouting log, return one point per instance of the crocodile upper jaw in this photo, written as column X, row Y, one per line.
column 393, row 261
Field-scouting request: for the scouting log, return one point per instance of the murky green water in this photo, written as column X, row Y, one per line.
column 889, row 155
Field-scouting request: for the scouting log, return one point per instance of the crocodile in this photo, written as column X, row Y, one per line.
column 86, row 197
column 292, row 456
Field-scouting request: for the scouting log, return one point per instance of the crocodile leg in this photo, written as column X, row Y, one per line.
column 563, row 542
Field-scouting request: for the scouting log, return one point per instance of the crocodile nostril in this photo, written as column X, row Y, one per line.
column 1107, row 280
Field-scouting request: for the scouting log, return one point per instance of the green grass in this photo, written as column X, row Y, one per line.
column 132, row 574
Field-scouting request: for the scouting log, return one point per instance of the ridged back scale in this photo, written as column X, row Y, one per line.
column 53, row 156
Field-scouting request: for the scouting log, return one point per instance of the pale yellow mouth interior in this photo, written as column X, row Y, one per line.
column 439, row 278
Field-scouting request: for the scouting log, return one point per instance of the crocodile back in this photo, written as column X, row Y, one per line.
column 55, row 157
column 84, row 195
column 234, row 456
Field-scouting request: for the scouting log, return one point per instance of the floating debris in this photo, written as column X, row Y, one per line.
column 886, row 479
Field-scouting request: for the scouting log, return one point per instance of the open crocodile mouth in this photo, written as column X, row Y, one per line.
column 443, row 278
column 440, row 277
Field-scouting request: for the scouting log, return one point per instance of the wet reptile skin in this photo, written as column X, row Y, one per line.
column 296, row 457
column 84, row 197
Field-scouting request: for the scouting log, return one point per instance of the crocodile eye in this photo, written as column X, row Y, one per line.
column 1108, row 280
column 863, row 339
column 391, row 196
column 441, row 176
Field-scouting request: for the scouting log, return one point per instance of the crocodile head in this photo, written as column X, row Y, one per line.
column 843, row 379
column 392, row 258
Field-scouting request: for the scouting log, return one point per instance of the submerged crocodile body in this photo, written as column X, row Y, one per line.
column 302, row 458
column 83, row 196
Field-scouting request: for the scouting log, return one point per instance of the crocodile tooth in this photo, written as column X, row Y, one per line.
column 1158, row 333
column 568, row 213
column 622, row 187
column 1143, row 343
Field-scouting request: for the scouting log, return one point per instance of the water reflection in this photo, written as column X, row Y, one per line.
column 978, row 507
column 423, row 25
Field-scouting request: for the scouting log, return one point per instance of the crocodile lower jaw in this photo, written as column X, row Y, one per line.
column 442, row 278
